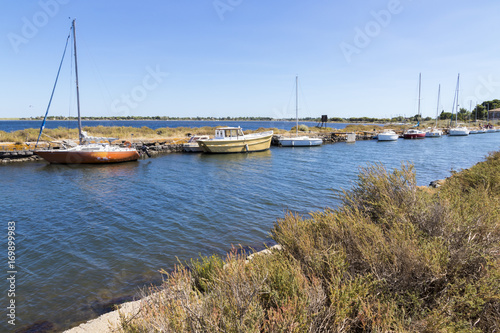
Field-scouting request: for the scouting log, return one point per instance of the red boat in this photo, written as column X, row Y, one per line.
column 414, row 134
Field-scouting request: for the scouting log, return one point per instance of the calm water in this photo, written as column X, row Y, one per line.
column 15, row 125
column 88, row 234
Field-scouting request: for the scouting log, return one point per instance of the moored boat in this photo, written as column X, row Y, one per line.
column 298, row 141
column 233, row 140
column 192, row 145
column 89, row 150
column 387, row 135
column 414, row 134
column 459, row 131
column 433, row 133
column 93, row 153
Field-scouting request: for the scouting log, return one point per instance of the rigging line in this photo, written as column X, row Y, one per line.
column 71, row 101
column 52, row 94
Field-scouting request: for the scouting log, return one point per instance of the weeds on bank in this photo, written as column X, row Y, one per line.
column 122, row 132
column 391, row 258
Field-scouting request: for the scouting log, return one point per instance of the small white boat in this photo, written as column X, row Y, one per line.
column 459, row 131
column 388, row 135
column 301, row 141
column 192, row 145
column 298, row 141
column 474, row 131
column 433, row 133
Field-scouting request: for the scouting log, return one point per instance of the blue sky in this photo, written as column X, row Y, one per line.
column 240, row 57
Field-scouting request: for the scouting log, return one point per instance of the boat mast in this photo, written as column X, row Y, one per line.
column 419, row 84
column 77, row 90
column 437, row 108
column 456, row 110
column 297, row 105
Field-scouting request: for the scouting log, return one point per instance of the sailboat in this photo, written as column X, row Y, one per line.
column 414, row 133
column 457, row 130
column 435, row 132
column 298, row 141
column 89, row 150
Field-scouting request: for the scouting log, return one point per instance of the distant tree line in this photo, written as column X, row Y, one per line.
column 480, row 111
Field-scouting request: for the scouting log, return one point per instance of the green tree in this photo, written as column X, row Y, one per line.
column 463, row 114
column 445, row 115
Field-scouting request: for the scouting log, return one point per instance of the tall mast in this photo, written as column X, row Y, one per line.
column 419, row 84
column 456, row 110
column 297, row 105
column 77, row 88
column 437, row 108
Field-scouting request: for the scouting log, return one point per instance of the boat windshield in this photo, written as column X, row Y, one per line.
column 228, row 133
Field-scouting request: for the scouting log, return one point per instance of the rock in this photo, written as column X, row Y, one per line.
column 437, row 183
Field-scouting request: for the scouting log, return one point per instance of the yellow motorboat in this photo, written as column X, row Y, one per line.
column 233, row 140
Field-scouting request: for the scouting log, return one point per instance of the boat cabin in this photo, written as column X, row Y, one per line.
column 229, row 133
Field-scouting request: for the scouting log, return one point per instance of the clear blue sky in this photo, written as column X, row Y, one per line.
column 240, row 57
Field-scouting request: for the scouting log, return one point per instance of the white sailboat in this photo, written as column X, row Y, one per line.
column 415, row 133
column 458, row 130
column 435, row 132
column 298, row 141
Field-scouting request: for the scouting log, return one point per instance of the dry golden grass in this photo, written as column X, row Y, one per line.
column 123, row 133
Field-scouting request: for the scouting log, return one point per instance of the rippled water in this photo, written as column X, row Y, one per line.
column 88, row 234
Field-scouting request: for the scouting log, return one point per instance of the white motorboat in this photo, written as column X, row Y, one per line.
column 433, row 133
column 387, row 135
column 459, row 131
column 192, row 145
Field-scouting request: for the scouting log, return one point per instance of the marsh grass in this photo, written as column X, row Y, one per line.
column 391, row 258
column 119, row 132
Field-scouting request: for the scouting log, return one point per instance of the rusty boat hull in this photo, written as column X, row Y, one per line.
column 88, row 156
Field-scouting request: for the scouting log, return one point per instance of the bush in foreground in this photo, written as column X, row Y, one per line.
column 391, row 258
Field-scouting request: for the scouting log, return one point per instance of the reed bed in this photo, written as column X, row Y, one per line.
column 392, row 258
